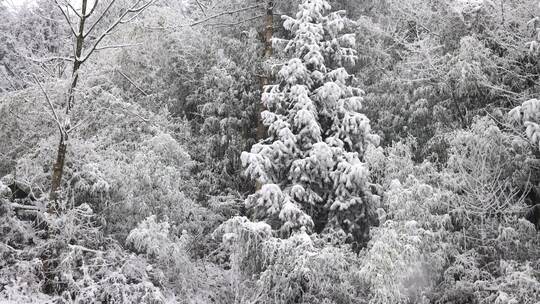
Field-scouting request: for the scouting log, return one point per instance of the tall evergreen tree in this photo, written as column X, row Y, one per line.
column 310, row 166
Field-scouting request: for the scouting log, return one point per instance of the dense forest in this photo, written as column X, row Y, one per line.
column 270, row 151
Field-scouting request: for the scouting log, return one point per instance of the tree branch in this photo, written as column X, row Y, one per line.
column 137, row 11
column 82, row 248
column 201, row 7
column 235, row 23
column 92, row 10
column 72, row 8
column 116, row 46
column 76, row 126
column 224, row 13
column 99, row 19
column 47, row 59
column 56, row 119
column 73, row 31
column 26, row 207
column 132, row 82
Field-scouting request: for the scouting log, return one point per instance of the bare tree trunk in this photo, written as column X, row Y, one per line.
column 265, row 79
column 58, row 170
column 58, row 167
column 266, row 74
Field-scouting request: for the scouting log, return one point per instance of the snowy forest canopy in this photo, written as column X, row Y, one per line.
column 270, row 151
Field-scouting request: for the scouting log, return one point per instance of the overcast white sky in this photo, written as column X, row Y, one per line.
column 16, row 2
column 20, row 2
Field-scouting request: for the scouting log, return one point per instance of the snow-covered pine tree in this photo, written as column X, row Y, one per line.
column 310, row 167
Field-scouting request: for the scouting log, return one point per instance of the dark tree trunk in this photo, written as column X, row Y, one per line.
column 58, row 167
column 265, row 79
column 58, row 170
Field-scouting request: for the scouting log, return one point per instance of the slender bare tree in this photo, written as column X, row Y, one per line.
column 83, row 22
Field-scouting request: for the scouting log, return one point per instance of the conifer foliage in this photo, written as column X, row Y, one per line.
column 311, row 165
